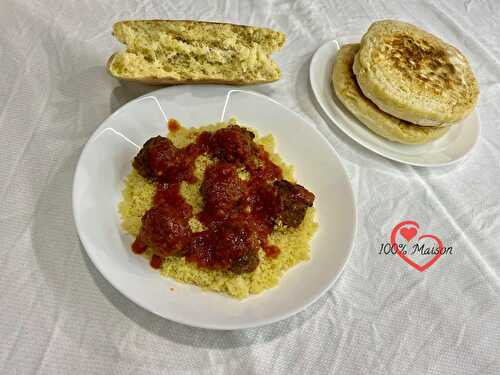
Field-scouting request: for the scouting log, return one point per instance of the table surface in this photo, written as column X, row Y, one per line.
column 59, row 316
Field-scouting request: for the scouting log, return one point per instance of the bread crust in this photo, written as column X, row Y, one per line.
column 381, row 123
column 171, row 82
column 280, row 41
column 150, row 79
column 413, row 75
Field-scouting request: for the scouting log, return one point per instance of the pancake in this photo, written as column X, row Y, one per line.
column 381, row 123
column 415, row 76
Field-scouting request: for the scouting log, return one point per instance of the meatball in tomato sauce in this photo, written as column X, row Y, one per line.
column 160, row 160
column 165, row 230
column 230, row 246
column 232, row 144
column 222, row 189
column 294, row 200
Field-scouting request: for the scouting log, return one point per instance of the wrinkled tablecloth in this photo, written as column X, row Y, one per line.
column 58, row 315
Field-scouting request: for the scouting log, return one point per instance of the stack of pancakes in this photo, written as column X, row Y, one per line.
column 403, row 83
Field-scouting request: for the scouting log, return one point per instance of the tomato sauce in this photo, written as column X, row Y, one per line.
column 173, row 125
column 271, row 251
column 139, row 247
column 170, row 194
column 239, row 214
column 156, row 261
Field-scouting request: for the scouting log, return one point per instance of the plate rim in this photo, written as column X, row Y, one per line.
column 227, row 327
column 337, row 43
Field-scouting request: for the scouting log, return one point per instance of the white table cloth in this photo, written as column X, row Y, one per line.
column 59, row 316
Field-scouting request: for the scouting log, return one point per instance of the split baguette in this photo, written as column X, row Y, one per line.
column 169, row 52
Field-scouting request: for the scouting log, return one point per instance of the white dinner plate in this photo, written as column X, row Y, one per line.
column 450, row 148
column 106, row 161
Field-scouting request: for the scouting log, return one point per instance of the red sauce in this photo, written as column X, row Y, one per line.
column 156, row 261
column 139, row 247
column 271, row 251
column 239, row 214
column 170, row 194
column 264, row 170
column 173, row 125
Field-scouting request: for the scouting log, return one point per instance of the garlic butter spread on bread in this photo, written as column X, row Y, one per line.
column 167, row 52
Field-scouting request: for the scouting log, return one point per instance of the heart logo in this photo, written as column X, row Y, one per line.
column 408, row 234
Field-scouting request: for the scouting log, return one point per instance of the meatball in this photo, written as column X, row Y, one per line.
column 160, row 160
column 245, row 263
column 231, row 246
column 232, row 144
column 265, row 203
column 236, row 244
column 294, row 200
column 165, row 230
column 222, row 189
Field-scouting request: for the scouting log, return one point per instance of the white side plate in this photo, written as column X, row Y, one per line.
column 106, row 161
column 452, row 147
